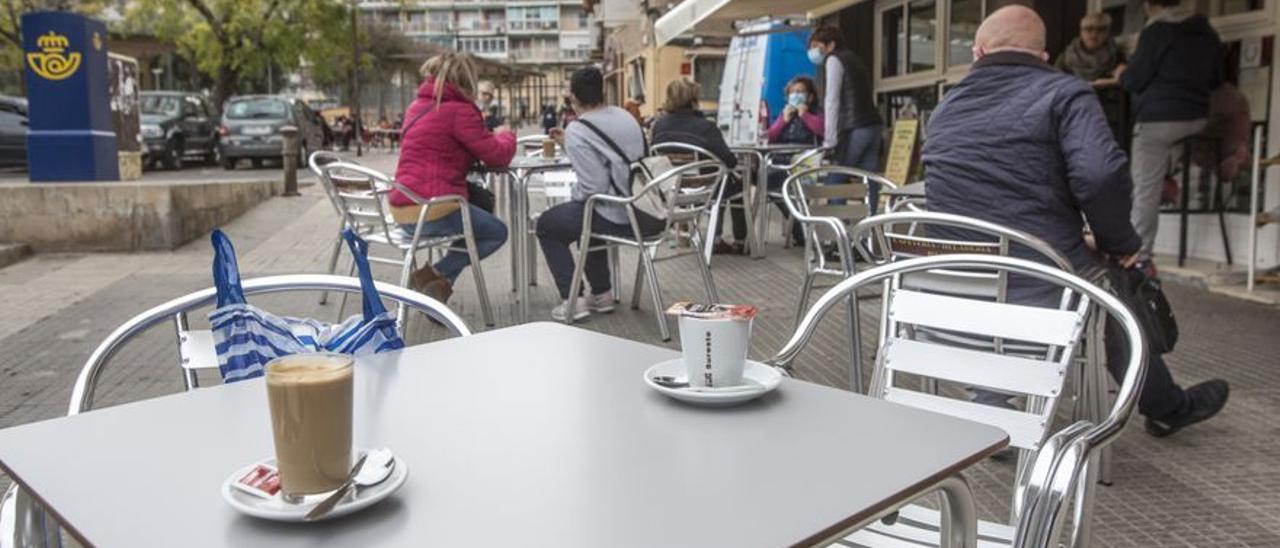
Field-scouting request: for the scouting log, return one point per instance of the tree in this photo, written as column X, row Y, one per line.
column 231, row 39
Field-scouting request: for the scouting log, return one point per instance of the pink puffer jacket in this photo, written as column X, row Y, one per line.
column 438, row 149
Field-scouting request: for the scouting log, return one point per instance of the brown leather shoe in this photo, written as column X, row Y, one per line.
column 428, row 281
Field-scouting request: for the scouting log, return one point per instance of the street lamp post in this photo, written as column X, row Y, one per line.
column 155, row 77
column 357, row 121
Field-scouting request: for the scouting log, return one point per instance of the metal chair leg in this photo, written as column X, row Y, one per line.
column 575, row 286
column 1082, row 518
column 638, row 288
column 805, row 289
column 615, row 272
column 333, row 265
column 708, row 282
column 656, row 294
column 531, row 246
column 486, row 308
column 32, row 526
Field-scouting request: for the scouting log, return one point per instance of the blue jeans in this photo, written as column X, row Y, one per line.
column 490, row 233
column 859, row 148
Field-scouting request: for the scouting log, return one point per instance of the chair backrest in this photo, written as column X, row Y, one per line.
column 699, row 183
column 802, row 161
column 825, row 211
column 1039, row 379
column 195, row 347
column 685, row 153
column 365, row 211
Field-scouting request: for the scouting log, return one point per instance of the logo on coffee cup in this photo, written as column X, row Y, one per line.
column 707, row 350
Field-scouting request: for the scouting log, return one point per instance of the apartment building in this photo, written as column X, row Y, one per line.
column 551, row 37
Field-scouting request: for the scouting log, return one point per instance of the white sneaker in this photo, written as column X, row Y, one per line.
column 600, row 303
column 580, row 311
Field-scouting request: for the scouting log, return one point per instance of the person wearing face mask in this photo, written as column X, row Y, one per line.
column 1025, row 146
column 801, row 123
column 852, row 127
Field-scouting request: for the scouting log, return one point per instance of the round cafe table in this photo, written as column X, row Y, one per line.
column 763, row 153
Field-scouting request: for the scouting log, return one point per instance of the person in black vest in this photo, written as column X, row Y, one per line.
column 853, row 128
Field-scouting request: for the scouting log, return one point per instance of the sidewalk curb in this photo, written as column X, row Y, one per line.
column 13, row 253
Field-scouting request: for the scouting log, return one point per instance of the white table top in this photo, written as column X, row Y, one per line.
column 537, row 435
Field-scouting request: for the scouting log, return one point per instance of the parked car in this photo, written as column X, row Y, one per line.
column 251, row 128
column 13, row 131
column 176, row 125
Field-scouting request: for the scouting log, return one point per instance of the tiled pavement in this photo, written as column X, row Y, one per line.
column 1211, row 485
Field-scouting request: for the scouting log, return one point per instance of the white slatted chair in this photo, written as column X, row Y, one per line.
column 903, row 235
column 367, row 213
column 793, row 165
column 903, row 357
column 826, row 212
column 696, row 190
column 25, row 523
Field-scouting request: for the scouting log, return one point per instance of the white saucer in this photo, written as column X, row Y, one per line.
column 276, row 509
column 764, row 377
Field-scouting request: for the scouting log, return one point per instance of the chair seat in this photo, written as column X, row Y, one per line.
column 401, row 239
column 918, row 526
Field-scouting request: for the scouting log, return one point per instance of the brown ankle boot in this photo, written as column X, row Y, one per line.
column 428, row 281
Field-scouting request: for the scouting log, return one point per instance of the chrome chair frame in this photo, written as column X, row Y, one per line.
column 367, row 214
column 796, row 162
column 698, row 154
column 27, row 524
column 875, row 240
column 1069, row 458
column 684, row 204
column 800, row 208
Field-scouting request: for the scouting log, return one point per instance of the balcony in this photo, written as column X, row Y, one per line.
column 536, row 55
column 516, row 26
column 490, row 26
column 422, row 27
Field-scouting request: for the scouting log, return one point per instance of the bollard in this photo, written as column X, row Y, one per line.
column 289, row 159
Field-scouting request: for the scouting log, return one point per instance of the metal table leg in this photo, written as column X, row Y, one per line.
column 761, row 203
column 520, row 243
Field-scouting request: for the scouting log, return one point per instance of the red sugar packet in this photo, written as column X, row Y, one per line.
column 701, row 311
column 262, row 480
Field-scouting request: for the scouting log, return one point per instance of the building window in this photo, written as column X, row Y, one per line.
column 966, row 15
column 636, row 82
column 922, row 25
column 707, row 72
column 893, row 38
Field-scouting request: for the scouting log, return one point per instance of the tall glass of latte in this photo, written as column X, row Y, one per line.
column 310, row 398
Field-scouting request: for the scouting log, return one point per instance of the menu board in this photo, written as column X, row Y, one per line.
column 902, row 149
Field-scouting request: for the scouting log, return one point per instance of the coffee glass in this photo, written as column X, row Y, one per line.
column 310, row 396
column 548, row 148
column 714, row 349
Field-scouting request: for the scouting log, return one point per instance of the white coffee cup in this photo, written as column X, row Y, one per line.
column 715, row 350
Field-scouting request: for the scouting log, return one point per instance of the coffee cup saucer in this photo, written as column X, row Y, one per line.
column 274, row 508
column 762, row 377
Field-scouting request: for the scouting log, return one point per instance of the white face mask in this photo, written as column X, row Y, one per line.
column 815, row 55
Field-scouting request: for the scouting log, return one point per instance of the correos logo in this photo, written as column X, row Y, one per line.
column 53, row 62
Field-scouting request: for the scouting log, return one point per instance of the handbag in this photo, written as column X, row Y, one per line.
column 642, row 172
column 1145, row 297
column 247, row 337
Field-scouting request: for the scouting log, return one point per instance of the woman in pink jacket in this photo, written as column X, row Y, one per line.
column 799, row 124
column 443, row 135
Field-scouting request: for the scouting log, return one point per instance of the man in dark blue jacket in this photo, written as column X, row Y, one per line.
column 1020, row 144
column 1176, row 67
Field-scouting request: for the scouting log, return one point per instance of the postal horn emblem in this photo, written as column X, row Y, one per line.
column 53, row 62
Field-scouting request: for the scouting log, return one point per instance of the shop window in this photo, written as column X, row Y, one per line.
column 893, row 37
column 922, row 24
column 966, row 15
column 707, row 72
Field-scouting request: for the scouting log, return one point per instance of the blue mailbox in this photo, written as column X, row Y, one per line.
column 70, row 137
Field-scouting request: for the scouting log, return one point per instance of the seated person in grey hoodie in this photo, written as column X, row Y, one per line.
column 600, row 170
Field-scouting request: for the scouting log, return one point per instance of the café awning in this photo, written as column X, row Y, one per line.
column 715, row 17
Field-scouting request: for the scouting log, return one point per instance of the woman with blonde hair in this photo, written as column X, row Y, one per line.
column 683, row 122
column 442, row 136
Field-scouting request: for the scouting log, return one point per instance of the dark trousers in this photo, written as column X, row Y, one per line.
column 733, row 186
column 1160, row 396
column 561, row 226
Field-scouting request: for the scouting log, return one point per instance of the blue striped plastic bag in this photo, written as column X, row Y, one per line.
column 247, row 337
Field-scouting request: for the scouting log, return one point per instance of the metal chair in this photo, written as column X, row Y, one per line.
column 366, row 212
column 902, row 235
column 696, row 186
column 1040, row 379
column 825, row 212
column 316, row 161
column 25, row 523
column 682, row 153
column 795, row 164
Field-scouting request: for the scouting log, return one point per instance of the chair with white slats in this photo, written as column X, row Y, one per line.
column 1039, row 379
